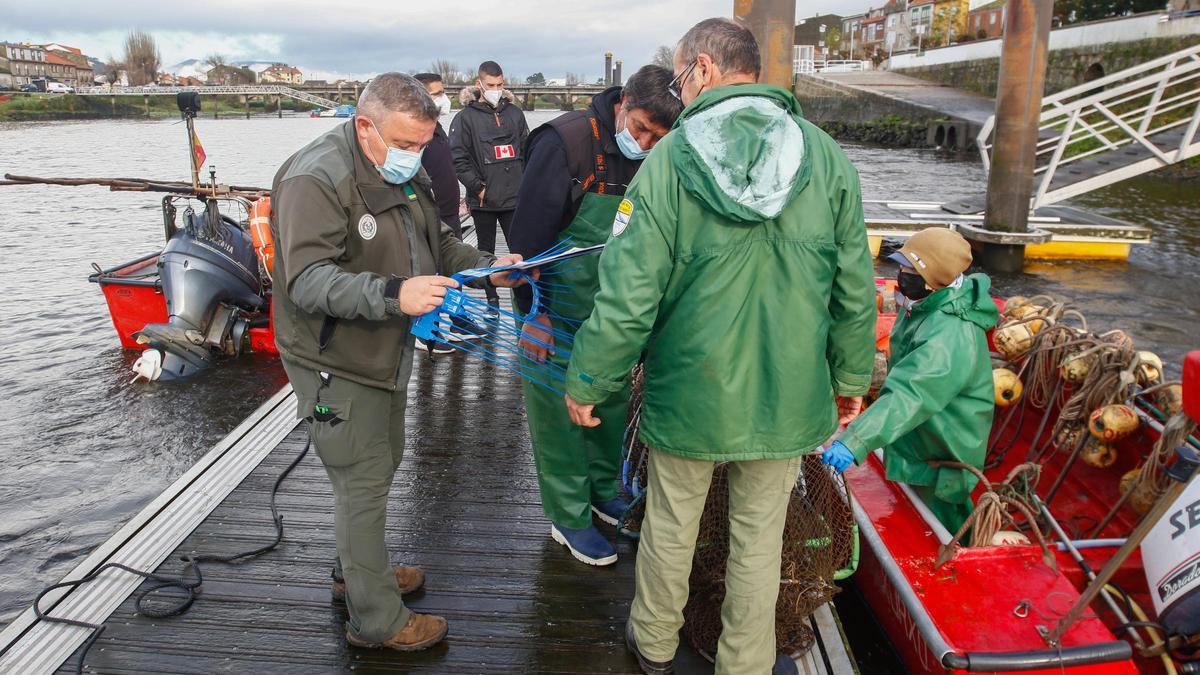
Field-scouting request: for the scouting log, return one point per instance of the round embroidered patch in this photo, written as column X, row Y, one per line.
column 367, row 227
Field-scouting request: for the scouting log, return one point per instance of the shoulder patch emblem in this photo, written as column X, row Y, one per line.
column 624, row 213
column 367, row 227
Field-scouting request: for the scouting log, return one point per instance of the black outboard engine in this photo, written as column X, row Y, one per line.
column 209, row 273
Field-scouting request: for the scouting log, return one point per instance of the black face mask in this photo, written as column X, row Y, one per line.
column 912, row 285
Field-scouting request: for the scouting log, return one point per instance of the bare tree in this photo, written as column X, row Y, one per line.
column 215, row 60
column 142, row 59
column 448, row 70
column 664, row 56
column 573, row 79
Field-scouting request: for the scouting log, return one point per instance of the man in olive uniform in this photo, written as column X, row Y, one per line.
column 360, row 246
column 739, row 262
column 938, row 398
column 578, row 169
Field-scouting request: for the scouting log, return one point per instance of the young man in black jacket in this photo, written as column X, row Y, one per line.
column 487, row 138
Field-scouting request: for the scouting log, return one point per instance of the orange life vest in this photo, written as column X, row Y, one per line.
column 260, row 234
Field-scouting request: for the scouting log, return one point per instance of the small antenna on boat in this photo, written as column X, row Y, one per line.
column 189, row 105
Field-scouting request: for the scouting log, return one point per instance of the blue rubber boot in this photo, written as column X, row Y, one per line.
column 587, row 545
column 611, row 511
column 784, row 665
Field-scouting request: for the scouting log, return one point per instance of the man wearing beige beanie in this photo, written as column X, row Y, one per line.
column 937, row 400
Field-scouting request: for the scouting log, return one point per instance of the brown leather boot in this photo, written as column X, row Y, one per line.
column 409, row 579
column 421, row 632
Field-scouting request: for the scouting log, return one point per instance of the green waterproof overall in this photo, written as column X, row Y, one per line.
column 575, row 465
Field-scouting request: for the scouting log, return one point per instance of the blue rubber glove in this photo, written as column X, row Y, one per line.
column 838, row 456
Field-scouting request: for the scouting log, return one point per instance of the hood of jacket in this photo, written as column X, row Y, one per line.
column 741, row 151
column 469, row 95
column 971, row 301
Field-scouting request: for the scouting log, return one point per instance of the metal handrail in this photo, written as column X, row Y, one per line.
column 215, row 90
column 1092, row 113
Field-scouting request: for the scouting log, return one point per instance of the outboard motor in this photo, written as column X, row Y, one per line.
column 210, row 279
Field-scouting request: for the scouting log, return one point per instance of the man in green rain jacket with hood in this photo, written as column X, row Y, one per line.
column 938, row 398
column 738, row 262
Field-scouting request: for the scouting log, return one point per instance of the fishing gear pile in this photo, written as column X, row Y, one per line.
column 820, row 545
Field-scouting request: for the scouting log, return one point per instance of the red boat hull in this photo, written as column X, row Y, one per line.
column 135, row 298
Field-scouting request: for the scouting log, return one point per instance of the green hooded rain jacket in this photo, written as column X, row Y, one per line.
column 938, row 400
column 739, row 264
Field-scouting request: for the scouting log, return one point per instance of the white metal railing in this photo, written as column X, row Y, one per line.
column 1128, row 108
column 216, row 90
column 812, row 66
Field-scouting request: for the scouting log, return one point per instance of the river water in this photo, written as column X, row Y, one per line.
column 82, row 449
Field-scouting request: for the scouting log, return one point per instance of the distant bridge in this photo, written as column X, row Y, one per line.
column 332, row 96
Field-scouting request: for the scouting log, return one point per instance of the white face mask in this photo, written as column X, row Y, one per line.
column 443, row 104
column 492, row 96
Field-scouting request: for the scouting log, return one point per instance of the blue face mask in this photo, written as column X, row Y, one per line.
column 400, row 166
column 629, row 145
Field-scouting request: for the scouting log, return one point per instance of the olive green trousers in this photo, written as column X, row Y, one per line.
column 675, row 494
column 361, row 447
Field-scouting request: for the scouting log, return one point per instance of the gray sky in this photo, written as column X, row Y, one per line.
column 342, row 38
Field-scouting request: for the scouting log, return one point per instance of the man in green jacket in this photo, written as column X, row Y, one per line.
column 938, row 399
column 738, row 263
column 360, row 250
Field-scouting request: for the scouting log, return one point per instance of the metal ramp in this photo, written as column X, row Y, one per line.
column 1112, row 128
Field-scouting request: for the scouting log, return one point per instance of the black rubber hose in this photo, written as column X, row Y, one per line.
column 191, row 568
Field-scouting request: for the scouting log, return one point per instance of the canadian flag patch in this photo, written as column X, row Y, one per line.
column 505, row 152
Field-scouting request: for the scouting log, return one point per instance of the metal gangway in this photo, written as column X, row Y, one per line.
column 214, row 90
column 1114, row 127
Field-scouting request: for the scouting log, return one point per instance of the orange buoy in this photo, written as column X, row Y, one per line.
column 1099, row 455
column 1113, row 422
column 260, row 234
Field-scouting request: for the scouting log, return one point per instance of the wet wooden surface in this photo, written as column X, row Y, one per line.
column 464, row 506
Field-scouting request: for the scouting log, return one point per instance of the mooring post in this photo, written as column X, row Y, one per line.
column 279, row 106
column 246, row 104
column 113, row 101
column 773, row 23
column 1018, row 110
column 146, row 102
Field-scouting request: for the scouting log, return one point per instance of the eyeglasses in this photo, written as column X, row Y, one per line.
column 676, row 86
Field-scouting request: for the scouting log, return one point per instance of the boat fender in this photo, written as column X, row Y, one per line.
column 260, row 233
column 1113, row 422
column 1009, row 538
column 1149, row 368
column 1015, row 339
column 1099, row 455
column 1008, row 387
column 1076, row 367
column 1169, row 399
column 1144, row 494
column 148, row 365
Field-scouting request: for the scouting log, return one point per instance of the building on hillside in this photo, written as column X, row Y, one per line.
column 852, row 35
column 949, row 21
column 61, row 69
column 873, row 34
column 229, row 75
column 818, row 32
column 6, row 78
column 83, row 75
column 26, row 62
column 920, row 21
column 280, row 73
column 987, row 21
column 898, row 35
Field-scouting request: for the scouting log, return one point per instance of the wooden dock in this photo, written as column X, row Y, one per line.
column 464, row 507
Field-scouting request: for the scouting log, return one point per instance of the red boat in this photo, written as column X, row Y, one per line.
column 996, row 608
